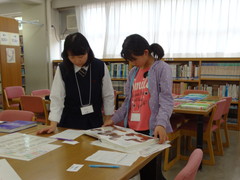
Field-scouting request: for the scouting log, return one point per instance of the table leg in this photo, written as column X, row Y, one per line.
column 200, row 134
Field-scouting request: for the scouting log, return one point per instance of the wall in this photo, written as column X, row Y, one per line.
column 35, row 40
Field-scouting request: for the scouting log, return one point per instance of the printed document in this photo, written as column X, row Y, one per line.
column 113, row 158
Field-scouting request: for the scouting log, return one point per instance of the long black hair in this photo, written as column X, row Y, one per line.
column 136, row 44
column 76, row 44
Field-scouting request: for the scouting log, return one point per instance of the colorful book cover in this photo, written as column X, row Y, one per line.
column 13, row 126
column 121, row 138
column 200, row 106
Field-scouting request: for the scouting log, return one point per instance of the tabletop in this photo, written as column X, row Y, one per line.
column 54, row 164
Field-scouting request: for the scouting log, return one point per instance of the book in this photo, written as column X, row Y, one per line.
column 123, row 139
column 196, row 105
column 191, row 97
column 13, row 126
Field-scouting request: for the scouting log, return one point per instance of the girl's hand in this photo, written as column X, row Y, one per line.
column 160, row 132
column 48, row 129
column 108, row 122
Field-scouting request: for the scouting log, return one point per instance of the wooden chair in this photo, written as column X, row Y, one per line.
column 41, row 92
column 13, row 115
column 192, row 91
column 211, row 125
column 191, row 168
column 176, row 121
column 36, row 105
column 223, row 121
column 12, row 95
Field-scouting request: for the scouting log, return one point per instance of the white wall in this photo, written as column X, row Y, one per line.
column 35, row 40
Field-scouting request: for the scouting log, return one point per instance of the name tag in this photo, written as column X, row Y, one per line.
column 86, row 109
column 135, row 117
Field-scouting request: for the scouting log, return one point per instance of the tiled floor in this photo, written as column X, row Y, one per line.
column 227, row 167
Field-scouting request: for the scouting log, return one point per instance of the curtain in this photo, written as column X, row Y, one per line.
column 184, row 28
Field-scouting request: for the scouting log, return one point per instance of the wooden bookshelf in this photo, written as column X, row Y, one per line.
column 10, row 67
column 214, row 81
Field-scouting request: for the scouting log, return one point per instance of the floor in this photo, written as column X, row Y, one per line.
column 227, row 167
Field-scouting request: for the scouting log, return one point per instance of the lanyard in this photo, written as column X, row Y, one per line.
column 90, row 85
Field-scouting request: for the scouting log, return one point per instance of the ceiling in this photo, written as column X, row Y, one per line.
column 21, row 1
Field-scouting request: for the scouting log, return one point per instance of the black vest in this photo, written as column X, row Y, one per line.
column 71, row 115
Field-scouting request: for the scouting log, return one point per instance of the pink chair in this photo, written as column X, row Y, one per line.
column 223, row 121
column 190, row 170
column 41, row 92
column 13, row 115
column 211, row 126
column 12, row 96
column 36, row 105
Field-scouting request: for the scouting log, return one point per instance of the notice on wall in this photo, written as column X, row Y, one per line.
column 4, row 38
column 10, row 52
column 14, row 39
column 10, row 39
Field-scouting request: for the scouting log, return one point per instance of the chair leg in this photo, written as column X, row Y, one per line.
column 219, row 145
column 225, row 128
column 210, row 161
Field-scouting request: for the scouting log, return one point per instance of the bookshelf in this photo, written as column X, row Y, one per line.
column 219, row 76
column 22, row 61
column 10, row 66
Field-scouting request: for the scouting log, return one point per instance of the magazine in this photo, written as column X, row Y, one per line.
column 13, row 126
column 123, row 139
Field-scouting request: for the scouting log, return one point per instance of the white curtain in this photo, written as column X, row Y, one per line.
column 184, row 28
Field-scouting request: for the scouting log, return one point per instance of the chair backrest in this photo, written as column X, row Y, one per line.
column 36, row 105
column 227, row 105
column 190, row 170
column 220, row 105
column 192, row 91
column 10, row 93
column 14, row 92
column 41, row 92
column 13, row 115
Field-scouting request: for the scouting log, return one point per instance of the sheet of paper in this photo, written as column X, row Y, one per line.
column 7, row 172
column 144, row 151
column 113, row 157
column 68, row 134
column 70, row 142
column 75, row 167
column 25, row 147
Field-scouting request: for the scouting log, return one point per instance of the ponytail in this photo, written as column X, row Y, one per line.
column 156, row 51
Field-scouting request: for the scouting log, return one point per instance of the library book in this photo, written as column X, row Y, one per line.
column 13, row 126
column 120, row 138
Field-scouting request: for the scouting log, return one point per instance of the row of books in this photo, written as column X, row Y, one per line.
column 191, row 97
column 119, row 85
column 118, row 70
column 193, row 101
column 227, row 90
column 202, row 105
column 220, row 70
column 188, row 71
column 179, row 88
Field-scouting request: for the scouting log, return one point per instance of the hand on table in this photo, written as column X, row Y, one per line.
column 160, row 132
column 48, row 129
